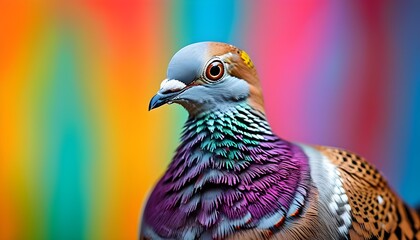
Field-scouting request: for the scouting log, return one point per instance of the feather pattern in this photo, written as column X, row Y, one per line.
column 377, row 212
column 229, row 173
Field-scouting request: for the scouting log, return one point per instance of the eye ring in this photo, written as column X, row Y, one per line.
column 215, row 70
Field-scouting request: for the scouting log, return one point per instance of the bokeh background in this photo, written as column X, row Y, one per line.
column 79, row 151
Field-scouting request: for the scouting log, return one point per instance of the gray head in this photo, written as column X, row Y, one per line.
column 209, row 75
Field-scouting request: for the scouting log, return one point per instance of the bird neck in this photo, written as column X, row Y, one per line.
column 229, row 139
column 227, row 128
column 230, row 170
column 230, row 145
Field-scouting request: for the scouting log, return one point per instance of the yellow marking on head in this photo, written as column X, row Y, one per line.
column 247, row 60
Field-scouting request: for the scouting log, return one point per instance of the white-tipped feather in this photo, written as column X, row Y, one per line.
column 331, row 192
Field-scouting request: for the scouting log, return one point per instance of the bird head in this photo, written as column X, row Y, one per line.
column 206, row 76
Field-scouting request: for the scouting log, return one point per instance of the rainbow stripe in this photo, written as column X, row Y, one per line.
column 79, row 151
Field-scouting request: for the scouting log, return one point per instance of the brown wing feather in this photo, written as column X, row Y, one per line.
column 376, row 210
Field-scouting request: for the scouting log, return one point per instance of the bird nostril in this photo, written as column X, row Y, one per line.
column 171, row 86
column 167, row 91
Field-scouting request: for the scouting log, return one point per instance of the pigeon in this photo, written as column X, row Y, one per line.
column 231, row 177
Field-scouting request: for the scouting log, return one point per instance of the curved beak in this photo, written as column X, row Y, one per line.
column 169, row 89
column 161, row 98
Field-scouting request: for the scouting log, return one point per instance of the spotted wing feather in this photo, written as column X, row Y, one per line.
column 377, row 211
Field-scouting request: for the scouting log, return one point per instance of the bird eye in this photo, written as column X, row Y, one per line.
column 215, row 70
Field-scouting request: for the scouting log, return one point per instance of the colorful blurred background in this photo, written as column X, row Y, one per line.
column 79, row 151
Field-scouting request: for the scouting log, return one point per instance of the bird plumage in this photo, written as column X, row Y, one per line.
column 233, row 178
